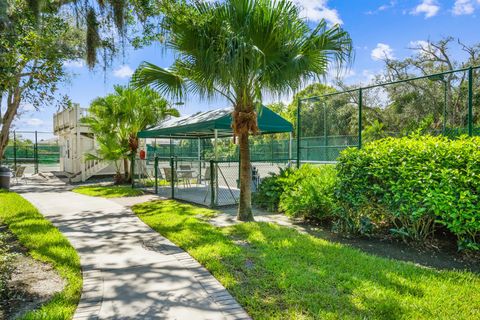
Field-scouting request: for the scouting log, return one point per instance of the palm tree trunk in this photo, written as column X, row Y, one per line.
column 245, row 205
column 125, row 169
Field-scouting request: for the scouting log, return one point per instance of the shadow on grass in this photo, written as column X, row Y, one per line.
column 277, row 272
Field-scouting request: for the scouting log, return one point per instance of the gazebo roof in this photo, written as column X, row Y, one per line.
column 204, row 124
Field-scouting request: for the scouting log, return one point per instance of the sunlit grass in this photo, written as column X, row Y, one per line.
column 277, row 272
column 108, row 191
column 47, row 244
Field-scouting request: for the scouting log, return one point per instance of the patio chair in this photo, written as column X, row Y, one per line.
column 186, row 175
column 19, row 172
column 168, row 175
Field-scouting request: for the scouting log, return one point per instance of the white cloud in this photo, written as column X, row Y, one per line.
column 74, row 63
column 428, row 7
column 422, row 47
column 382, row 51
column 383, row 7
column 463, row 7
column 27, row 107
column 34, row 122
column 316, row 10
column 123, row 71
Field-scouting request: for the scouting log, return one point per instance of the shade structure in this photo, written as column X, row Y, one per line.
column 205, row 124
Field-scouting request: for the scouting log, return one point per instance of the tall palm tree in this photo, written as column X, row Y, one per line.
column 117, row 119
column 241, row 49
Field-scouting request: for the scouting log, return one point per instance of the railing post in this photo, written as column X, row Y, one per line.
column 298, row 132
column 470, row 101
column 360, row 106
column 156, row 174
column 212, row 184
column 172, row 176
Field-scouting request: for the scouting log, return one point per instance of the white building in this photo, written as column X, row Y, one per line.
column 76, row 140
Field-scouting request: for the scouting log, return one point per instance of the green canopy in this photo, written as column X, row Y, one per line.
column 204, row 124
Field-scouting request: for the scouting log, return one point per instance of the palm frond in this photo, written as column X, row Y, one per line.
column 166, row 82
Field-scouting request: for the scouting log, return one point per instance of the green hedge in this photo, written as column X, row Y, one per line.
column 307, row 192
column 412, row 185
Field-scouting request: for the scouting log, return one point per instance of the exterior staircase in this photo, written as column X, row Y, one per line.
column 89, row 169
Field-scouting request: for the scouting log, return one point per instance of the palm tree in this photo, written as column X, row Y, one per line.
column 241, row 49
column 117, row 119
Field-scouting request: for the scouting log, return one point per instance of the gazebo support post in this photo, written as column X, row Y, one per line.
column 199, row 156
column 215, row 144
column 215, row 167
column 290, row 142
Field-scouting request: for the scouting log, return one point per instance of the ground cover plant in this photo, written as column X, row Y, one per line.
column 47, row 244
column 277, row 272
column 413, row 185
column 110, row 191
column 6, row 266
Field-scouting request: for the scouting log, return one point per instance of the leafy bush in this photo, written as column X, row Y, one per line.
column 415, row 183
column 306, row 192
column 312, row 193
column 270, row 190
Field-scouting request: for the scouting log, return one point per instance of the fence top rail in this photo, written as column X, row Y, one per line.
column 390, row 83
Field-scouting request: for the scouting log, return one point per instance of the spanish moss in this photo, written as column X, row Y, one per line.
column 93, row 39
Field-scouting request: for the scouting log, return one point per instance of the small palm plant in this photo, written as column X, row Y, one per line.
column 242, row 49
column 117, row 119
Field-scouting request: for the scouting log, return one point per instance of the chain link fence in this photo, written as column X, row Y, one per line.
column 36, row 151
column 446, row 103
column 210, row 183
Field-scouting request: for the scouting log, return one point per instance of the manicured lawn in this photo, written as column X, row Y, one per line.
column 45, row 243
column 277, row 272
column 108, row 191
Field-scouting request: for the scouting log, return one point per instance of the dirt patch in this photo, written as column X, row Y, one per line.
column 32, row 283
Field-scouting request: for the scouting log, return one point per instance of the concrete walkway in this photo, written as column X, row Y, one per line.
column 129, row 270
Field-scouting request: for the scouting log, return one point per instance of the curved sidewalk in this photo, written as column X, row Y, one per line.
column 129, row 270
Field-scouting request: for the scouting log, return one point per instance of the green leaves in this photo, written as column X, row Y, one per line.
column 420, row 182
column 117, row 118
column 243, row 48
column 307, row 192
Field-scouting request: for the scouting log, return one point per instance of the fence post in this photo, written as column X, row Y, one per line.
column 172, row 176
column 35, row 154
column 15, row 149
column 212, row 184
column 470, row 101
column 156, row 174
column 360, row 105
column 298, row 132
column 132, row 170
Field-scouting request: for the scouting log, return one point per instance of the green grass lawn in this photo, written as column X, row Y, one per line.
column 47, row 244
column 108, row 191
column 277, row 272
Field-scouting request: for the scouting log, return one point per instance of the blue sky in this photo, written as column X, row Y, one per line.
column 377, row 27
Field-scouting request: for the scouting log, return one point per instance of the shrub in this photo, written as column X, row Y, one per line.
column 312, row 193
column 306, row 192
column 270, row 190
column 416, row 182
